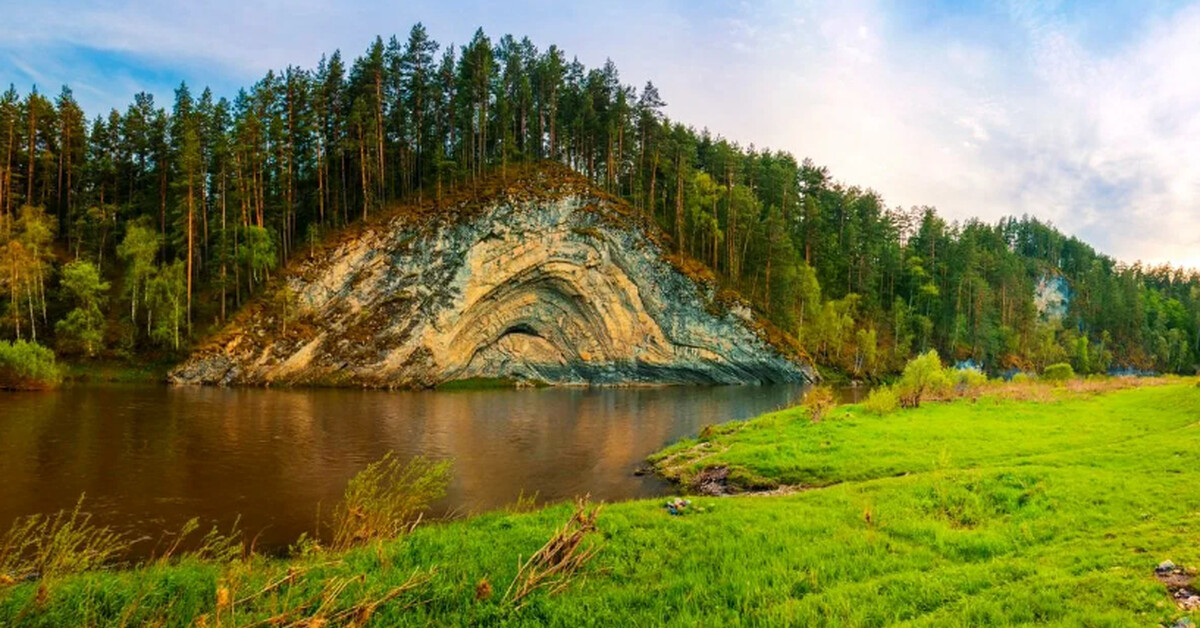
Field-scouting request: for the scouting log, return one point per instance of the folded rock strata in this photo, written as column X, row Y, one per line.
column 563, row 287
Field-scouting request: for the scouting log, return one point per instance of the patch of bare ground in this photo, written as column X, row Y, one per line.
column 1180, row 583
column 782, row 490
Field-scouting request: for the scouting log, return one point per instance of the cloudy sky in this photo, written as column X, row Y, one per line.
column 1084, row 115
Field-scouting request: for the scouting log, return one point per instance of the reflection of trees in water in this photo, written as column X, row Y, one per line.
column 154, row 456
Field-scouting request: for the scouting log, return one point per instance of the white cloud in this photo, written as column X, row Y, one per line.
column 996, row 117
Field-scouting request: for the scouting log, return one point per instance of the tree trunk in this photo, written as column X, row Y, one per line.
column 362, row 160
column 191, row 249
column 224, row 245
column 32, row 152
column 731, row 268
column 653, row 180
column 6, row 177
column 321, row 181
column 379, row 133
column 679, row 200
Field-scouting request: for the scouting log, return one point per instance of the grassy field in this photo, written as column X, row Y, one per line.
column 987, row 512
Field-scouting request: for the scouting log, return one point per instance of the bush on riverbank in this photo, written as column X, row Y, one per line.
column 881, row 401
column 1058, row 372
column 27, row 365
column 922, row 376
column 818, row 402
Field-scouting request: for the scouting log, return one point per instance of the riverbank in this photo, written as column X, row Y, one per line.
column 985, row 512
column 116, row 371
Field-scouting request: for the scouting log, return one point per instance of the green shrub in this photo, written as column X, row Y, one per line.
column 1060, row 372
column 967, row 381
column 27, row 366
column 83, row 327
column 922, row 375
column 1021, row 378
column 818, row 401
column 881, row 401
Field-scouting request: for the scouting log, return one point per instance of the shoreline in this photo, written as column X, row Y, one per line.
column 949, row 523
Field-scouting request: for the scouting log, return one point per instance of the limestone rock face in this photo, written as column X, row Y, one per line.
column 562, row 290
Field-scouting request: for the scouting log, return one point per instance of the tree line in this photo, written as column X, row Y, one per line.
column 111, row 227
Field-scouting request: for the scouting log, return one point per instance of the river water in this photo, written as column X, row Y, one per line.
column 149, row 458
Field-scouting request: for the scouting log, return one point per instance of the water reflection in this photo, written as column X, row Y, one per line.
column 149, row 458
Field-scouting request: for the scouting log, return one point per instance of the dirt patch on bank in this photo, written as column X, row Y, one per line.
column 1180, row 583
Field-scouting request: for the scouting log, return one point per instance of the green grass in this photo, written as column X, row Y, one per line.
column 93, row 371
column 957, row 514
column 478, row 383
column 784, row 448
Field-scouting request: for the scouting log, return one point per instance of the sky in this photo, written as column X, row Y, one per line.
column 1081, row 113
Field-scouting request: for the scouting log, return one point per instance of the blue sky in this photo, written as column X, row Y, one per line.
column 1084, row 114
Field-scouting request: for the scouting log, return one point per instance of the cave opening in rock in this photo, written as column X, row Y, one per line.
column 524, row 329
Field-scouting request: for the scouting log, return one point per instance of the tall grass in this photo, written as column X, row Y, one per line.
column 44, row 546
column 386, row 500
column 215, row 545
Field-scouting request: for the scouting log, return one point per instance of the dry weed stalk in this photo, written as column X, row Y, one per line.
column 358, row 614
column 560, row 559
column 290, row 578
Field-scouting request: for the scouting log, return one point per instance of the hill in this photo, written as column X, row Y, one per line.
column 535, row 277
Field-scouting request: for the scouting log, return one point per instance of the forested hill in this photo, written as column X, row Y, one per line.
column 131, row 233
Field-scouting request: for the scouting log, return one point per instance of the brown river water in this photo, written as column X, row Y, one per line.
column 149, row 458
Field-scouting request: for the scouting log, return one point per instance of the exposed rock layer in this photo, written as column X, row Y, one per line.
column 561, row 288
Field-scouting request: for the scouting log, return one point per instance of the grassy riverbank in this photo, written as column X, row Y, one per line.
column 101, row 371
column 988, row 512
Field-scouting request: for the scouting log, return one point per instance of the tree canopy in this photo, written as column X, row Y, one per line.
column 212, row 193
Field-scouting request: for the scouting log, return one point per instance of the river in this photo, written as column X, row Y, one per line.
column 149, row 458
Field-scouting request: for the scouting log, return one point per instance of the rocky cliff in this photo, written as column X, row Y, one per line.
column 541, row 279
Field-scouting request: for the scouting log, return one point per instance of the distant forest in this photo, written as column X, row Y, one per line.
column 132, row 233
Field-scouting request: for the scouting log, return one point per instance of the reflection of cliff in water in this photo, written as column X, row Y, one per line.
column 149, row 458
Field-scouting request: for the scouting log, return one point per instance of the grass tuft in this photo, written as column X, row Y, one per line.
column 216, row 546
column 387, row 500
column 39, row 547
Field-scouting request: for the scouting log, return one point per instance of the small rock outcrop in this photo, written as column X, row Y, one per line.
column 546, row 280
